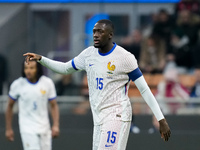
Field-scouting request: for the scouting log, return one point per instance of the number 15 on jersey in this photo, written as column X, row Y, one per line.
column 99, row 83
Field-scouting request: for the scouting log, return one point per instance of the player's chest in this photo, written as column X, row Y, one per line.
column 103, row 66
column 33, row 91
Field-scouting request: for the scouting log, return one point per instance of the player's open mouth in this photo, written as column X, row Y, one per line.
column 96, row 41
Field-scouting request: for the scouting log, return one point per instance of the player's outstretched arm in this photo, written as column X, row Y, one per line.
column 56, row 66
column 8, row 116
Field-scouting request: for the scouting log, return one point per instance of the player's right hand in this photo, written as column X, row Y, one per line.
column 9, row 135
column 55, row 131
column 32, row 56
column 164, row 130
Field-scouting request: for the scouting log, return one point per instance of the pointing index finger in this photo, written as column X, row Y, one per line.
column 27, row 54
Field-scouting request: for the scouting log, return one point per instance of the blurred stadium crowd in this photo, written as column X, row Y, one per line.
column 168, row 53
column 167, row 49
column 171, row 40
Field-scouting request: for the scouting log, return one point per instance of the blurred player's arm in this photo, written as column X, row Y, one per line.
column 55, row 117
column 147, row 95
column 56, row 66
column 9, row 116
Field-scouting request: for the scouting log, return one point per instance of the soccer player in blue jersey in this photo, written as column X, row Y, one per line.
column 110, row 68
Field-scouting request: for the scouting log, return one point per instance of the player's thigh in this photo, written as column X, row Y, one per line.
column 46, row 141
column 30, row 141
column 96, row 136
column 114, row 135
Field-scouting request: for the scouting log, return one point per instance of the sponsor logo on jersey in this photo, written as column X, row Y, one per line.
column 111, row 68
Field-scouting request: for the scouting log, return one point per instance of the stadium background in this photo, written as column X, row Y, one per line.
column 61, row 31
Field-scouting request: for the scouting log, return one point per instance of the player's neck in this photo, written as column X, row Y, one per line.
column 33, row 80
column 106, row 48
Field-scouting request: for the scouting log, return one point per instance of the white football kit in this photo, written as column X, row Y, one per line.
column 33, row 111
column 108, row 82
column 108, row 75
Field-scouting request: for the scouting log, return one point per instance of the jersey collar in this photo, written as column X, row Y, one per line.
column 104, row 54
column 32, row 82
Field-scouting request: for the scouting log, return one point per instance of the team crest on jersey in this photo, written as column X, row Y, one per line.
column 42, row 91
column 111, row 68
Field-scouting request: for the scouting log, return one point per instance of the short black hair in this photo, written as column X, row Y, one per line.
column 107, row 23
column 39, row 70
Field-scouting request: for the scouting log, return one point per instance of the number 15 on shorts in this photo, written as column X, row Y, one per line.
column 111, row 137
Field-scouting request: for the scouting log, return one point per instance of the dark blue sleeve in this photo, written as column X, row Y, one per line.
column 135, row 74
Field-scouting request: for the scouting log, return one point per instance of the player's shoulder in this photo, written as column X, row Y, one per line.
column 90, row 48
column 45, row 79
column 18, row 82
column 89, row 51
column 123, row 52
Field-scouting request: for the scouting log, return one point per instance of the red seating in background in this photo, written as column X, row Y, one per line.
column 154, row 79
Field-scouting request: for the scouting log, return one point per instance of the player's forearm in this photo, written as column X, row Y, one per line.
column 55, row 114
column 56, row 66
column 9, row 117
column 149, row 97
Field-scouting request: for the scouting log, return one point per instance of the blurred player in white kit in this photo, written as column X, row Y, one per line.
column 33, row 91
column 109, row 70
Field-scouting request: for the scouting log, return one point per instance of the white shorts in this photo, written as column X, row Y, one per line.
column 112, row 135
column 36, row 141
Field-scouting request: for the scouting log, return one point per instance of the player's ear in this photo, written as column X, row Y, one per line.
column 111, row 35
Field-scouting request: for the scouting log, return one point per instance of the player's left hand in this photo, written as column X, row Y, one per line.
column 55, row 131
column 164, row 130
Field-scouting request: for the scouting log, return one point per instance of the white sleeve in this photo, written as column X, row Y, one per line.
column 52, row 91
column 130, row 63
column 58, row 67
column 79, row 61
column 149, row 97
column 13, row 92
